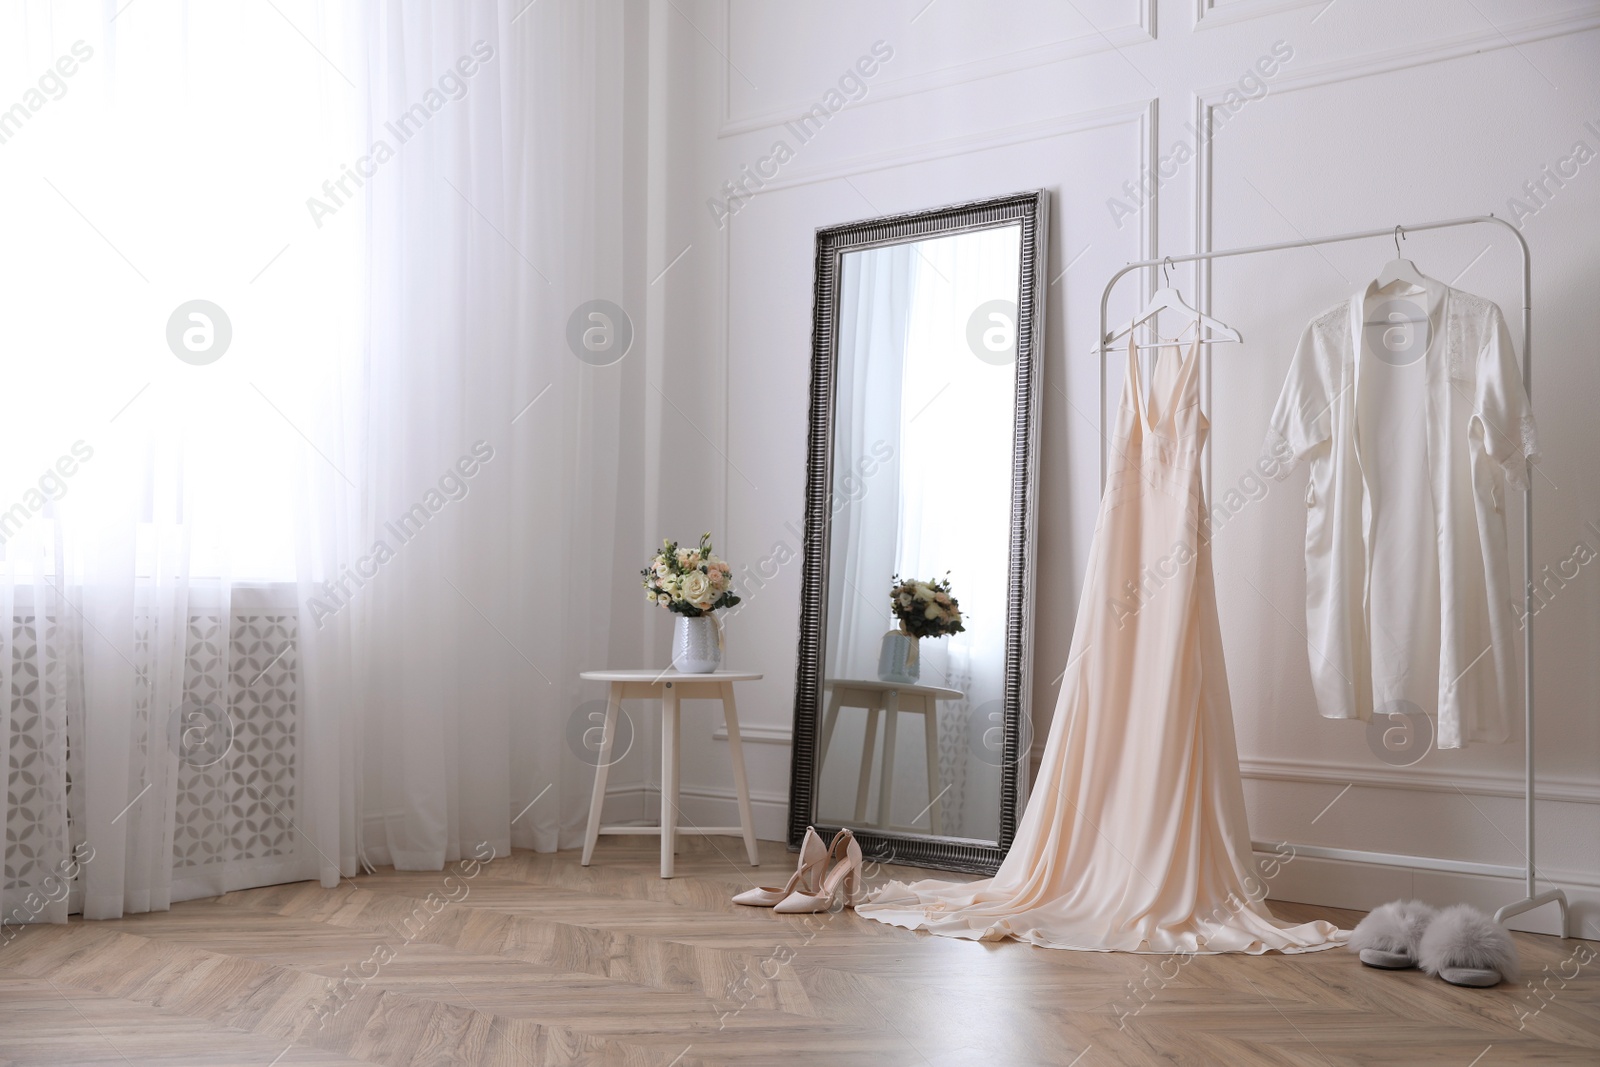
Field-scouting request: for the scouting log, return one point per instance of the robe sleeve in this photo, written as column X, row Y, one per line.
column 1302, row 419
column 1509, row 437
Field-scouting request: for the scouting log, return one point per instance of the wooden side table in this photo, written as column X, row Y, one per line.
column 890, row 699
column 670, row 687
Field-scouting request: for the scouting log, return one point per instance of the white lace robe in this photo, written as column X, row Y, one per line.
column 1409, row 604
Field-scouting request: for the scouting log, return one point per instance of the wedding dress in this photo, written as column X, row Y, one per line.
column 1135, row 837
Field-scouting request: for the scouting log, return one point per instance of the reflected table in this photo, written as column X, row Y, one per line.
column 890, row 699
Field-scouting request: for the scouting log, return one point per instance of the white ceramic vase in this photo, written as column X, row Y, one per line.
column 897, row 658
column 696, row 644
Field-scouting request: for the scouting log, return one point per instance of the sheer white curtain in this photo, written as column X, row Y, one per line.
column 270, row 603
column 489, row 229
column 875, row 293
column 151, row 160
column 961, row 436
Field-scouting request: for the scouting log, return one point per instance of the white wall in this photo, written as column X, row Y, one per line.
column 1384, row 113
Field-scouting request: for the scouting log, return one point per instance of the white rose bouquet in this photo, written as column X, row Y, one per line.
column 925, row 608
column 689, row 581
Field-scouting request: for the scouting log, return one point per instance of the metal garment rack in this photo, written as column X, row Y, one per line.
column 1533, row 899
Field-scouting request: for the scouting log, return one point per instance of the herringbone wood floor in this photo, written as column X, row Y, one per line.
column 541, row 961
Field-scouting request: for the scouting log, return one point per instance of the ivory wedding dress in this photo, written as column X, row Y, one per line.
column 1135, row 837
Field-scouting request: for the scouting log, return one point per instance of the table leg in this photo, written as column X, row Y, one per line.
column 669, row 778
column 830, row 719
column 741, row 786
column 869, row 747
column 608, row 734
column 930, row 719
column 891, row 722
column 677, row 770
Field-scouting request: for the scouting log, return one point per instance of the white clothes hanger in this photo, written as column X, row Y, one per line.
column 1400, row 269
column 1167, row 298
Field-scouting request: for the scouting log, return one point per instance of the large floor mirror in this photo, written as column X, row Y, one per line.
column 910, row 723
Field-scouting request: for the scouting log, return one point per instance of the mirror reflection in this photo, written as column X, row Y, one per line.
column 924, row 417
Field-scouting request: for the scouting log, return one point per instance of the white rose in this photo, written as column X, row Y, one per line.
column 696, row 586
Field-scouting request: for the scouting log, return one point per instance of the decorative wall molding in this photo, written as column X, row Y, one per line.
column 1205, row 100
column 1095, row 41
column 1142, row 111
column 1209, row 14
column 1354, row 68
column 1405, row 57
column 1420, row 779
column 1566, row 790
column 1422, row 53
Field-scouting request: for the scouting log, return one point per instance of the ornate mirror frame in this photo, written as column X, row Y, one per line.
column 1030, row 209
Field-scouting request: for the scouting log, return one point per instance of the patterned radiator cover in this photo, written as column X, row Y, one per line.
column 238, row 809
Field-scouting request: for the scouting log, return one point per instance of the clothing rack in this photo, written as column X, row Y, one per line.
column 1533, row 898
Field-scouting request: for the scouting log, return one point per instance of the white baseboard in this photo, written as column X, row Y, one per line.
column 752, row 734
column 1326, row 882
column 1363, row 886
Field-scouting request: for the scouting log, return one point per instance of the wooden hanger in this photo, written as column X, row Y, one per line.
column 1168, row 298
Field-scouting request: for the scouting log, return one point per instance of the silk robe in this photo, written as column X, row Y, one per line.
column 1409, row 603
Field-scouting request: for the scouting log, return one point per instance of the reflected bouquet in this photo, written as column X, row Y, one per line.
column 925, row 608
column 689, row 581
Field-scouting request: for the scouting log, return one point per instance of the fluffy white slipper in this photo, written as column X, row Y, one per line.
column 1389, row 936
column 1466, row 947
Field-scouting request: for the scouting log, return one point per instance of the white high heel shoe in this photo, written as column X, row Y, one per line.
column 806, row 876
column 843, row 875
